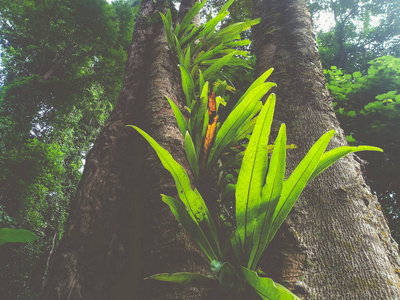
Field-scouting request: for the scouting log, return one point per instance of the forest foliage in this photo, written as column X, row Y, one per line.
column 62, row 68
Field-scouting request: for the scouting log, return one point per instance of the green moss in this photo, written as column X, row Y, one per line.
column 360, row 284
column 309, row 263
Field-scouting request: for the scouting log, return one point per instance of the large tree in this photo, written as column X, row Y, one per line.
column 119, row 230
column 336, row 244
column 118, row 226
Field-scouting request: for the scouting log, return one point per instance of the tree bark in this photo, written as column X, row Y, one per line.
column 336, row 243
column 119, row 230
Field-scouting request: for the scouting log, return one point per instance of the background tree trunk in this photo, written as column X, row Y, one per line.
column 336, row 243
column 119, row 230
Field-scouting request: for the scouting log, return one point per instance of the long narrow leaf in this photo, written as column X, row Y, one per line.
column 210, row 25
column 237, row 246
column 210, row 231
column 190, row 15
column 191, row 37
column 177, row 30
column 187, row 59
column 238, row 43
column 169, row 17
column 235, row 120
column 183, row 32
column 179, row 52
column 201, row 81
column 209, row 54
column 266, row 287
column 210, row 71
column 231, row 32
column 295, row 184
column 187, row 85
column 191, row 198
column 246, row 130
column 330, row 157
column 191, row 155
column 199, row 111
column 180, row 119
column 186, row 278
column 261, row 79
column 168, row 32
column 187, row 222
column 269, row 198
column 234, row 61
column 252, row 174
column 226, row 6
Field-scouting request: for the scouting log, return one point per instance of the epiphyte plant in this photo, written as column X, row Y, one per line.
column 202, row 53
column 263, row 201
column 263, row 197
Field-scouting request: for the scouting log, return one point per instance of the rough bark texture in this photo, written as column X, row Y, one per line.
column 119, row 230
column 336, row 243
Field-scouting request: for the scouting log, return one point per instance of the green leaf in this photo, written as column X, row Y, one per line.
column 187, row 61
column 350, row 138
column 208, row 54
column 201, row 81
column 252, row 174
column 238, row 43
column 189, row 39
column 269, row 198
column 179, row 52
column 177, row 30
column 226, row 273
column 191, row 198
column 197, row 119
column 293, row 187
column 191, row 155
column 231, row 32
column 187, row 222
column 332, row 156
column 190, row 16
column 187, row 85
column 182, row 33
column 11, row 235
column 238, row 52
column 229, row 190
column 179, row 117
column 234, row 61
column 237, row 243
column 169, row 17
column 185, row 278
column 226, row 6
column 168, row 32
column 247, row 129
column 210, row 25
column 256, row 83
column 215, row 67
column 266, row 287
column 235, row 120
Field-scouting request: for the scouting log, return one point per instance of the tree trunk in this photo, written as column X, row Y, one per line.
column 336, row 243
column 119, row 230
